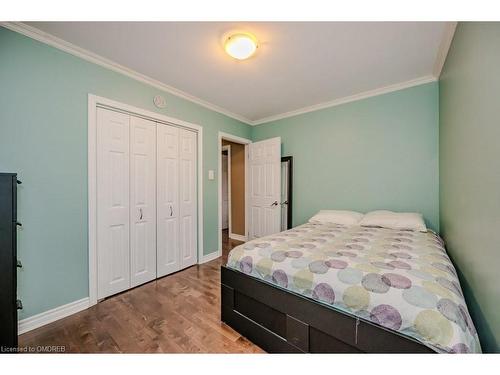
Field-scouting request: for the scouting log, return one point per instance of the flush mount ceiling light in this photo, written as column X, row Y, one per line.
column 240, row 46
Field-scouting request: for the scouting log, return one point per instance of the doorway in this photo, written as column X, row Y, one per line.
column 233, row 178
column 233, row 190
column 261, row 189
column 226, row 187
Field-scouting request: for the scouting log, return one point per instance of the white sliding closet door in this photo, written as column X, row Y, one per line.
column 188, row 202
column 113, row 202
column 142, row 201
column 168, row 257
column 146, row 200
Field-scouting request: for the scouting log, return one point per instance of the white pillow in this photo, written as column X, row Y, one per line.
column 394, row 220
column 337, row 217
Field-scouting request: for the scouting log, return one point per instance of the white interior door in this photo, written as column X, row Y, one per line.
column 142, row 201
column 168, row 256
column 265, row 187
column 187, row 198
column 113, row 232
column 225, row 191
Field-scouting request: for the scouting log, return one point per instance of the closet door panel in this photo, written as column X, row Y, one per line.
column 113, row 202
column 142, row 200
column 188, row 200
column 168, row 259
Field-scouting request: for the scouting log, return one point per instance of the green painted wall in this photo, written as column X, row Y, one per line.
column 470, row 170
column 380, row 152
column 43, row 137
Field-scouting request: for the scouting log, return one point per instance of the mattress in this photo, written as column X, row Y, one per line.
column 401, row 280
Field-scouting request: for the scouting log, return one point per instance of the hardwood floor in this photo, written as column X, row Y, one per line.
column 179, row 313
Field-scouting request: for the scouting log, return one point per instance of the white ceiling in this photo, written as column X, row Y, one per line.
column 297, row 65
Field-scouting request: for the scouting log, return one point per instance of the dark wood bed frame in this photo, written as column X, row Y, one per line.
column 281, row 321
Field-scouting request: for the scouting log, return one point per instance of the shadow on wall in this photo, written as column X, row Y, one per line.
column 486, row 337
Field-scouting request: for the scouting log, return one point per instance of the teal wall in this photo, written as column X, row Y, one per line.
column 470, row 170
column 376, row 153
column 43, row 137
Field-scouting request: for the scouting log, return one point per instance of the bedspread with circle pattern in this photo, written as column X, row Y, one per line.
column 401, row 280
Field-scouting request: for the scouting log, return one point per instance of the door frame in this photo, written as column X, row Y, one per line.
column 289, row 160
column 228, row 149
column 94, row 102
column 245, row 142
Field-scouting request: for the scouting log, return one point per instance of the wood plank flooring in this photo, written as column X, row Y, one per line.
column 179, row 313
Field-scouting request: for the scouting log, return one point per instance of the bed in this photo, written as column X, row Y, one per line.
column 324, row 287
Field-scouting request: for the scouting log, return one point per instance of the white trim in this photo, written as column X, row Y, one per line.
column 93, row 102
column 209, row 257
column 444, row 47
column 348, row 99
column 94, row 58
column 234, row 138
column 246, row 142
column 199, row 140
column 52, row 315
column 237, row 237
column 65, row 46
column 228, row 149
column 92, row 196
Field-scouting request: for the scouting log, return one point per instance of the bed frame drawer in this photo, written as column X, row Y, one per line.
column 280, row 321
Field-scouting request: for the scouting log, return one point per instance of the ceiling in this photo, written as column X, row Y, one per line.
column 297, row 65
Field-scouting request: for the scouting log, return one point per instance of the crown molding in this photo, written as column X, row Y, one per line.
column 348, row 99
column 65, row 46
column 53, row 41
column 444, row 47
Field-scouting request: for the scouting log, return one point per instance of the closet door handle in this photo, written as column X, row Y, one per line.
column 171, row 211
column 140, row 210
column 275, row 203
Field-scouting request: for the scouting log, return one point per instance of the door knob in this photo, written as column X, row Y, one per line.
column 275, row 203
column 171, row 211
column 140, row 210
column 283, row 203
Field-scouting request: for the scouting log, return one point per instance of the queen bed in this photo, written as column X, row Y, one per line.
column 329, row 287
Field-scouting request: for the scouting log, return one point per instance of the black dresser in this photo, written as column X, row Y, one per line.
column 8, row 262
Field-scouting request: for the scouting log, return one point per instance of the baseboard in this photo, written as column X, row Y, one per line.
column 52, row 315
column 209, row 257
column 237, row 237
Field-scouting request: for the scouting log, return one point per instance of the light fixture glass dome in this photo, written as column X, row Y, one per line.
column 241, row 46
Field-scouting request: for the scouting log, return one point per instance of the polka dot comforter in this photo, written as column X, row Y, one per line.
column 401, row 280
